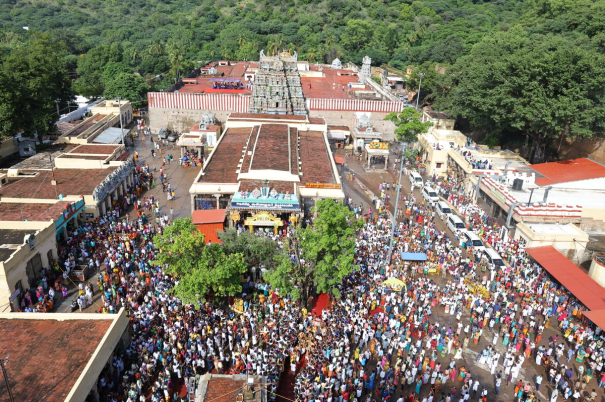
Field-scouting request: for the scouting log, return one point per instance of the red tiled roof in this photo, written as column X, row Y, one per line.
column 85, row 126
column 224, row 161
column 37, row 346
column 317, row 120
column 222, row 389
column 316, row 165
column 331, row 86
column 582, row 286
column 13, row 211
column 271, row 148
column 280, row 186
column 567, row 171
column 69, row 182
column 208, row 216
column 95, row 149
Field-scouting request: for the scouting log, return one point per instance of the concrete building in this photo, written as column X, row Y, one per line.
column 25, row 249
column 267, row 170
column 557, row 192
column 71, row 351
column 568, row 239
column 97, row 173
column 104, row 115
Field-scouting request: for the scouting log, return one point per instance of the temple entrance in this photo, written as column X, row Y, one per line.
column 263, row 219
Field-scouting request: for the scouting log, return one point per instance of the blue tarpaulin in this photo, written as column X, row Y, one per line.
column 413, row 256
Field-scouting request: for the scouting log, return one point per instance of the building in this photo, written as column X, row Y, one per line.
column 26, row 248
column 568, row 239
column 70, row 352
column 104, row 115
column 279, row 84
column 57, row 176
column 228, row 388
column 570, row 191
column 267, row 170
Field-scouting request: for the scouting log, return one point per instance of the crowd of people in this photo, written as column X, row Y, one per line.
column 465, row 334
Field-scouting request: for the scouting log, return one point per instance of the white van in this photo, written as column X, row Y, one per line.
column 416, row 180
column 430, row 195
column 474, row 240
column 494, row 259
column 443, row 209
column 455, row 224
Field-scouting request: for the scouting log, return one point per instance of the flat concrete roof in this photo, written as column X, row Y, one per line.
column 552, row 228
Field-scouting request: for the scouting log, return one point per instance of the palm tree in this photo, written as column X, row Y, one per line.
column 134, row 53
column 279, row 42
column 311, row 55
column 156, row 48
column 291, row 48
column 176, row 56
column 241, row 40
column 271, row 47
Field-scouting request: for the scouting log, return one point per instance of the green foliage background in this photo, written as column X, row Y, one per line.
column 465, row 48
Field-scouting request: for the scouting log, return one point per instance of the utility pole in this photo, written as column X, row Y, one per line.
column 419, row 86
column 3, row 363
column 121, row 127
column 57, row 103
column 390, row 255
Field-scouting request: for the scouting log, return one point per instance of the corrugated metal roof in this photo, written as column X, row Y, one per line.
column 113, row 135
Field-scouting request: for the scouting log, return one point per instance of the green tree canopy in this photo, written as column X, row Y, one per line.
column 255, row 249
column 201, row 269
column 127, row 86
column 408, row 124
column 547, row 88
column 327, row 249
column 32, row 77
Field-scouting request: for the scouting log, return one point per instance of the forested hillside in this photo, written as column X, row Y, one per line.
column 553, row 48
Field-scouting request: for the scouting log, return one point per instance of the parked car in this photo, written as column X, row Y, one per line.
column 455, row 224
column 443, row 209
column 430, row 195
column 474, row 240
column 163, row 134
column 416, row 180
column 172, row 137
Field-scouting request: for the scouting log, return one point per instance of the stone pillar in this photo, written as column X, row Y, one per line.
column 218, row 197
column 192, row 202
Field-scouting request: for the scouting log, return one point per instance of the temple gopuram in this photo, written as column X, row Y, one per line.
column 277, row 88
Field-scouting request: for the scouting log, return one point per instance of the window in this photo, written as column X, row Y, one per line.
column 438, row 165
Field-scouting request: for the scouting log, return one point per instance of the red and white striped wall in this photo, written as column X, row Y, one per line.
column 353, row 105
column 175, row 100
column 240, row 104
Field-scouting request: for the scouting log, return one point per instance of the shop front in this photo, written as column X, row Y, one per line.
column 68, row 220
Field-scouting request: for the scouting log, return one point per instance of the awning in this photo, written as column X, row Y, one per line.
column 582, row 286
column 413, row 256
column 203, row 216
column 339, row 159
column 596, row 316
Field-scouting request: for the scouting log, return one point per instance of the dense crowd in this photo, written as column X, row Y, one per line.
column 374, row 342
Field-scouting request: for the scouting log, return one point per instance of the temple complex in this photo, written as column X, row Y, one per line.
column 266, row 170
column 277, row 88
